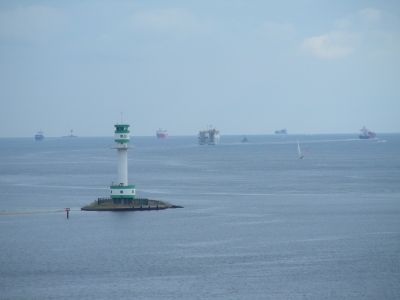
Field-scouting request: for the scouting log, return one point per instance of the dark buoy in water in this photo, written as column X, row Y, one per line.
column 67, row 210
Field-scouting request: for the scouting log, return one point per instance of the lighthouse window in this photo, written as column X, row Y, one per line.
column 121, row 135
column 121, row 192
column 133, row 191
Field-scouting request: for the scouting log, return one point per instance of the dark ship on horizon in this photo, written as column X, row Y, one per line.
column 282, row 131
column 39, row 136
column 366, row 134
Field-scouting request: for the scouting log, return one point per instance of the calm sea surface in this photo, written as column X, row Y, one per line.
column 257, row 222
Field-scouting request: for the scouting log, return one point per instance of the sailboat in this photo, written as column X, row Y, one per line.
column 298, row 149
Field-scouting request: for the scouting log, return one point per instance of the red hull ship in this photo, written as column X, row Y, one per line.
column 366, row 134
column 162, row 134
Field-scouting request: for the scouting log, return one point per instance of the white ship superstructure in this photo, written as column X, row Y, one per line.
column 209, row 136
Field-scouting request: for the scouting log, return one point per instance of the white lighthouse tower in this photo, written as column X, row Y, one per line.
column 122, row 192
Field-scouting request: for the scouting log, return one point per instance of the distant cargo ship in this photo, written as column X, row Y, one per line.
column 70, row 135
column 39, row 136
column 282, row 131
column 208, row 137
column 162, row 134
column 366, row 134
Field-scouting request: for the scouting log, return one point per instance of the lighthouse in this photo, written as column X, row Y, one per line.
column 122, row 192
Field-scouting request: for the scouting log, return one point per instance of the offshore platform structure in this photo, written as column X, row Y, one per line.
column 122, row 193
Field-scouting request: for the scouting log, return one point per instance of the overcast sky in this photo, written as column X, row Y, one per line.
column 246, row 67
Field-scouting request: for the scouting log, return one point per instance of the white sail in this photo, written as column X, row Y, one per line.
column 298, row 150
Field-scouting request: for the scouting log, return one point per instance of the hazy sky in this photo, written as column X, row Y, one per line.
column 247, row 67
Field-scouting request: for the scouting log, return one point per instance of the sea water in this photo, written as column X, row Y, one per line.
column 257, row 223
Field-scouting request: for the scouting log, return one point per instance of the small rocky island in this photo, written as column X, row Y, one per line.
column 140, row 204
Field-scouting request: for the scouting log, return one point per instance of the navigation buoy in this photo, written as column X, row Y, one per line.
column 67, row 209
